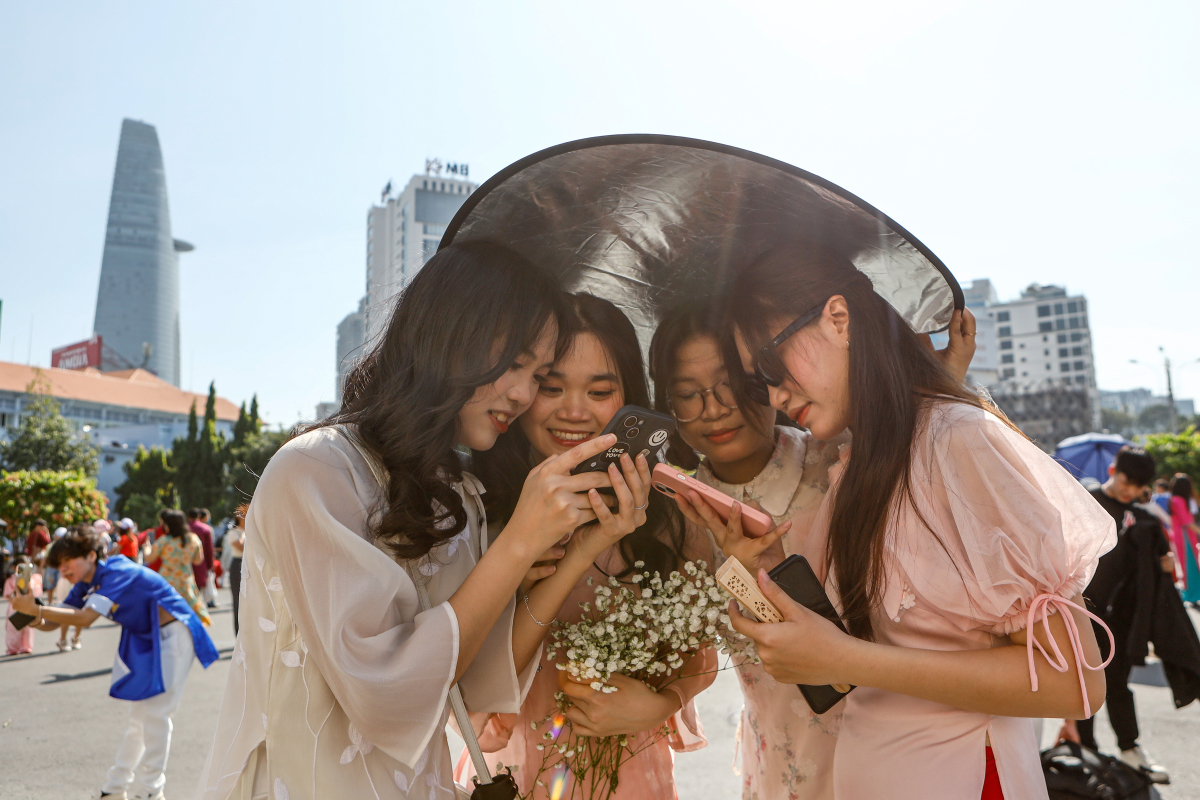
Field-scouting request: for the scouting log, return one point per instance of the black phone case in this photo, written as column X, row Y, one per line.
column 639, row 430
column 796, row 577
column 19, row 620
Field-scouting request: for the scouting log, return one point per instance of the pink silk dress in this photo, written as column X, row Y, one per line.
column 509, row 739
column 1018, row 537
column 19, row 641
column 785, row 750
column 1182, row 538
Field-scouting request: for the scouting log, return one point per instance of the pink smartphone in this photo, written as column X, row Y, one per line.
column 671, row 481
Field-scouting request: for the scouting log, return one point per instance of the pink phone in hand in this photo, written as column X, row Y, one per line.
column 671, row 482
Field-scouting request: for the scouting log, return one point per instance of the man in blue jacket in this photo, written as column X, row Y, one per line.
column 160, row 635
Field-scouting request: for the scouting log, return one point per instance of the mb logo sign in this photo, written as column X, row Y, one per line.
column 435, row 166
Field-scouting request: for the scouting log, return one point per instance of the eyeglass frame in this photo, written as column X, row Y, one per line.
column 703, row 402
column 756, row 384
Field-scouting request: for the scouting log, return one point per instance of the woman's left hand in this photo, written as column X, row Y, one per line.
column 633, row 708
column 960, row 349
column 631, row 484
column 804, row 648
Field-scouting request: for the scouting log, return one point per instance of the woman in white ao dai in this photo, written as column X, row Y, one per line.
column 311, row 575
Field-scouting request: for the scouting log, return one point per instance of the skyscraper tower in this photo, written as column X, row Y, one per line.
column 137, row 307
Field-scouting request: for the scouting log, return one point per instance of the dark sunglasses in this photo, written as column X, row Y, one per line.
column 756, row 385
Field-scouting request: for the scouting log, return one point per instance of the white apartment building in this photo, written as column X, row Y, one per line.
column 402, row 234
column 1043, row 339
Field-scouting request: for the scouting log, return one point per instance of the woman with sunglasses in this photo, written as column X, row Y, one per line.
column 953, row 548
column 735, row 445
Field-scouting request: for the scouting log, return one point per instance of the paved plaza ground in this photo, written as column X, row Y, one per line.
column 59, row 729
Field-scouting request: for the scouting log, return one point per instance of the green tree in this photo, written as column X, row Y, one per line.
column 1155, row 418
column 247, row 423
column 44, row 440
column 1115, row 421
column 247, row 462
column 201, row 462
column 148, row 488
column 60, row 497
column 1176, row 452
column 202, row 468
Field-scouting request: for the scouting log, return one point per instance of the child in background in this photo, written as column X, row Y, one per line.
column 19, row 641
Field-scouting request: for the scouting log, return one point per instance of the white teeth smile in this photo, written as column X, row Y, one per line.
column 570, row 436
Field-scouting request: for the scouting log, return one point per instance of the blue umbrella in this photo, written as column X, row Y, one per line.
column 1089, row 455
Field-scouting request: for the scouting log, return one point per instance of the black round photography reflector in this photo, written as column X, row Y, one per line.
column 645, row 220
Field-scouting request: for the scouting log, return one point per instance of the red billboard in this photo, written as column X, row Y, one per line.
column 80, row 355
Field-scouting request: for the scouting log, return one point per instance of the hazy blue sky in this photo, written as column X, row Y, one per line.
column 1022, row 141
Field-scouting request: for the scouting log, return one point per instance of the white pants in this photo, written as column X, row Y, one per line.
column 142, row 757
column 209, row 589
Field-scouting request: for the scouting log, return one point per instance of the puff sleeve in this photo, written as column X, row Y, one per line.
column 1010, row 523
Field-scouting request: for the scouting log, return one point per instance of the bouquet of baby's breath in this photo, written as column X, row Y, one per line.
column 645, row 629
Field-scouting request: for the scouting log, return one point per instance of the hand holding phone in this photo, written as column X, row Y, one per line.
column 639, row 431
column 671, row 482
column 796, row 577
column 24, row 573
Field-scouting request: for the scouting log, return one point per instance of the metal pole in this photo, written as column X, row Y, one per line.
column 1170, row 392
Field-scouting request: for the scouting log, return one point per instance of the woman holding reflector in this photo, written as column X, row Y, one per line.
column 953, row 547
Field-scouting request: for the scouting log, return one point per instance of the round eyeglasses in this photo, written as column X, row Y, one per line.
column 688, row 406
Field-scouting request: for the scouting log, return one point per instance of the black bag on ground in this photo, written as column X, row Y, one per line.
column 1075, row 772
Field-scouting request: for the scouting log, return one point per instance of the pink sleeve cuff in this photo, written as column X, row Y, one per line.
column 1044, row 603
column 687, row 734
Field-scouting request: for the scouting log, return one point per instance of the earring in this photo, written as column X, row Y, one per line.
column 847, row 341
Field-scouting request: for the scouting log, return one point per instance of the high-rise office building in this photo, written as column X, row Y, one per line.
column 402, row 234
column 351, row 335
column 137, row 307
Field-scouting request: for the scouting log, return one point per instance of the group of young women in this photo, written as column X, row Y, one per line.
column 428, row 534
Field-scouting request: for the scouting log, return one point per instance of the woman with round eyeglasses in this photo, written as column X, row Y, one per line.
column 735, row 445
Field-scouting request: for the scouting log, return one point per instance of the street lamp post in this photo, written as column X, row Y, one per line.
column 1170, row 387
column 1170, row 392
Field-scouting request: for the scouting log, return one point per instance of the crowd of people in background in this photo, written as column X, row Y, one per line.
column 182, row 548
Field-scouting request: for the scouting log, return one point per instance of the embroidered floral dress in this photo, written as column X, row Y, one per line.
column 178, row 555
column 786, row 750
column 339, row 680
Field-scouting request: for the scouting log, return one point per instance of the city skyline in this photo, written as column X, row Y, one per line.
column 1071, row 164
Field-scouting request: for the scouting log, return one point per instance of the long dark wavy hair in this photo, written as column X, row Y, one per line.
column 460, row 324
column 892, row 375
column 659, row 542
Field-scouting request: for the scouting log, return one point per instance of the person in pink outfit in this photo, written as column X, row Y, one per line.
column 733, row 444
column 19, row 641
column 953, row 548
column 600, row 372
column 1184, row 536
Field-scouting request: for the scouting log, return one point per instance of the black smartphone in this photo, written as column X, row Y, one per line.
column 639, row 431
column 796, row 577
